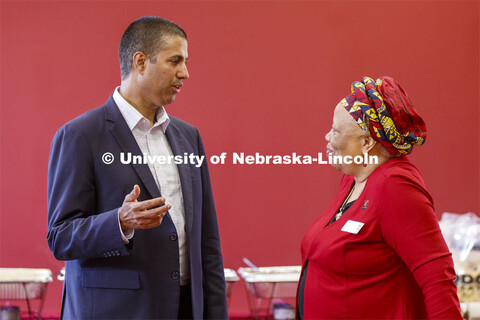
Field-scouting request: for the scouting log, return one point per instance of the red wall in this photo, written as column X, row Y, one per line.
column 265, row 77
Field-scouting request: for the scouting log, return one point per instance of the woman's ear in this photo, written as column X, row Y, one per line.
column 368, row 143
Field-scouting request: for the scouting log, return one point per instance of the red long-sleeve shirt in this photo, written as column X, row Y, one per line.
column 396, row 267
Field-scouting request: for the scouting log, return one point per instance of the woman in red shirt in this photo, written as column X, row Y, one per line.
column 377, row 251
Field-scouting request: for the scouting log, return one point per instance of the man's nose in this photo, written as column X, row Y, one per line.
column 183, row 73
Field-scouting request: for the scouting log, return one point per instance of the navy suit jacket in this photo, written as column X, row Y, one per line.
column 106, row 279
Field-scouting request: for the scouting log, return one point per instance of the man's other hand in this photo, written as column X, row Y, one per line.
column 140, row 215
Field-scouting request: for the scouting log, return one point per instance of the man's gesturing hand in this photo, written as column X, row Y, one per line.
column 138, row 215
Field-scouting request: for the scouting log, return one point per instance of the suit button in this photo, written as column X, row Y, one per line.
column 173, row 236
column 175, row 275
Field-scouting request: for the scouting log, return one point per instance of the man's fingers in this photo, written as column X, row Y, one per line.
column 133, row 195
column 151, row 218
column 147, row 204
column 144, row 214
column 155, row 212
column 148, row 224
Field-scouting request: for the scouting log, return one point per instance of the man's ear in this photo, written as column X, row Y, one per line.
column 368, row 143
column 139, row 62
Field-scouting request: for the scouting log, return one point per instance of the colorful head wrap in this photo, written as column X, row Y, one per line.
column 384, row 109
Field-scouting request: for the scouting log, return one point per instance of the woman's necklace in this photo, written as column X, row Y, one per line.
column 344, row 204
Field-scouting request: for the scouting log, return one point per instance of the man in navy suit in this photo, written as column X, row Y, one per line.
column 130, row 206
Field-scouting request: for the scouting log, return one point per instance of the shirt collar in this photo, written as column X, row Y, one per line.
column 133, row 116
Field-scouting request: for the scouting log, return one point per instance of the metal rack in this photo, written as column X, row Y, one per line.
column 267, row 283
column 230, row 278
column 25, row 284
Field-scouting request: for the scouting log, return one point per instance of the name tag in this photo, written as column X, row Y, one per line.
column 352, row 226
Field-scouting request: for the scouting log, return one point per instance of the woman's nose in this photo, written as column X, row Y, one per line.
column 328, row 135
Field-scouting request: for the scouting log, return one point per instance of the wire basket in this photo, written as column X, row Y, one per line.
column 25, row 284
column 267, row 283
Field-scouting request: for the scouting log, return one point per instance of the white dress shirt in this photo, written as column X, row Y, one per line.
column 153, row 142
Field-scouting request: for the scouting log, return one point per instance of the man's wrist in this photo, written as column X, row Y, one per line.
column 126, row 234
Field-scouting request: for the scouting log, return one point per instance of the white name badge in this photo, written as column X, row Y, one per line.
column 352, row 226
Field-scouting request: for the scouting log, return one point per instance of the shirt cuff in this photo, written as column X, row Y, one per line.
column 127, row 234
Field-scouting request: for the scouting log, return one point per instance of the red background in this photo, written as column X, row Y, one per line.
column 265, row 77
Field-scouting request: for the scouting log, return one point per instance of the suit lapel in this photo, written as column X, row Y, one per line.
column 179, row 147
column 124, row 137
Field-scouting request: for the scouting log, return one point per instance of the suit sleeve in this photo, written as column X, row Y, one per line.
column 75, row 229
column 215, row 304
column 409, row 225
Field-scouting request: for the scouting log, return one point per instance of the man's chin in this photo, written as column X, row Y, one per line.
column 169, row 100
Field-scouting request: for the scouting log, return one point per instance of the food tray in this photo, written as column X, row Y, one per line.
column 271, row 282
column 230, row 277
column 23, row 283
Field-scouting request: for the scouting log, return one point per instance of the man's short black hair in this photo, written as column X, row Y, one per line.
column 147, row 35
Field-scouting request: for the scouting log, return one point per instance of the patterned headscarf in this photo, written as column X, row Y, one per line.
column 384, row 109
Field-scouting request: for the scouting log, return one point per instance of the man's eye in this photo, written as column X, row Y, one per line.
column 175, row 61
